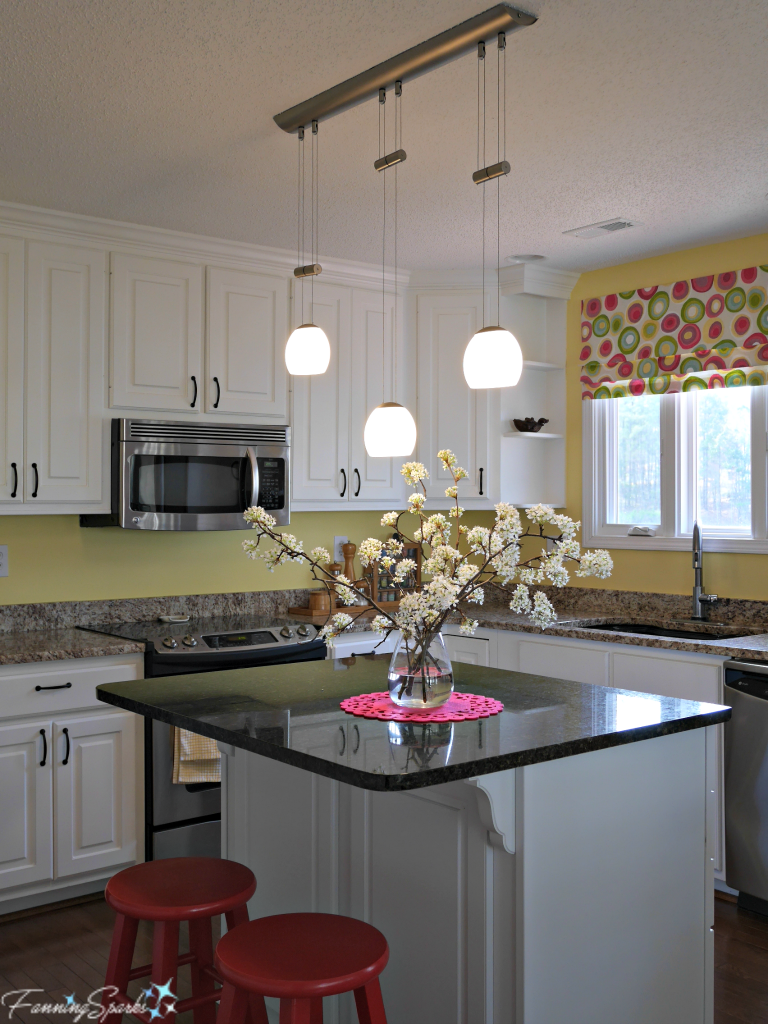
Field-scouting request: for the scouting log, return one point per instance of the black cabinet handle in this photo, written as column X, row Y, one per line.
column 60, row 686
column 357, row 474
column 356, row 731
column 218, row 392
column 344, row 488
column 66, row 756
column 37, row 480
column 343, row 741
column 193, row 403
column 481, row 480
column 45, row 749
column 15, row 479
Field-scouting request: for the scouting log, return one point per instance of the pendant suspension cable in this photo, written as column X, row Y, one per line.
column 383, row 120
column 398, row 145
column 481, row 107
column 501, row 38
column 314, row 213
column 301, row 213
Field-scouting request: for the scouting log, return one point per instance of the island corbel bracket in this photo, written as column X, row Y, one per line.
column 496, row 806
column 411, row 63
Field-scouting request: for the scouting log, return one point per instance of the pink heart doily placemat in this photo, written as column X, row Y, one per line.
column 460, row 707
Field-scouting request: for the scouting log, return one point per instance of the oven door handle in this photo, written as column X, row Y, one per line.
column 254, row 475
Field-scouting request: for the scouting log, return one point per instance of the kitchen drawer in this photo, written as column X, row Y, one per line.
column 19, row 693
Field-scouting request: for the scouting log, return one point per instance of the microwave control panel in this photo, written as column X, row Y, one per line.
column 271, row 483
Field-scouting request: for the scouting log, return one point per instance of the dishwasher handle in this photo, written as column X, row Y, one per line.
column 759, row 668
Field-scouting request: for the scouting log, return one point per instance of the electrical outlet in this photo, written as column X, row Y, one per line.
column 338, row 554
column 3, row 559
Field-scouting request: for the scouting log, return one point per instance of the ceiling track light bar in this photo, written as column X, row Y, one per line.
column 418, row 60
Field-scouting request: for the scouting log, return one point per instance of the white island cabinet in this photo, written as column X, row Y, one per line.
column 70, row 773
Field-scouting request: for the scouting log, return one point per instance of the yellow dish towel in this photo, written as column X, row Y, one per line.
column 195, row 758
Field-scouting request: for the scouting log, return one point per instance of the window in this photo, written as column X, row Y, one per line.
column 656, row 463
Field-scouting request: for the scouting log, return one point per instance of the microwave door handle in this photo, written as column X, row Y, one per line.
column 254, row 475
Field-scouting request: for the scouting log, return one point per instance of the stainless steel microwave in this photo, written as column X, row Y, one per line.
column 174, row 475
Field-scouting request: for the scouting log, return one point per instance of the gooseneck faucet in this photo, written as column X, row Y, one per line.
column 699, row 598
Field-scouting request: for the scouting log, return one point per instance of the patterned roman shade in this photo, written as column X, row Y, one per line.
column 710, row 332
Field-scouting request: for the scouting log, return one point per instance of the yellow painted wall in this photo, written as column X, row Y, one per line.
column 669, row 572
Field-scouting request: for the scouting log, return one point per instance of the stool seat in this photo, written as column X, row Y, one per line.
column 302, row 956
column 180, row 889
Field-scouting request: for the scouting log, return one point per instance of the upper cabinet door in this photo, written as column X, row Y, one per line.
column 451, row 414
column 373, row 371
column 156, row 336
column 247, row 332
column 320, row 454
column 66, row 320
column 11, row 370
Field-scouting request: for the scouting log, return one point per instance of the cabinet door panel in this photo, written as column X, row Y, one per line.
column 321, row 405
column 95, row 792
column 565, row 661
column 65, row 373
column 26, row 835
column 373, row 373
column 156, row 336
column 452, row 415
column 11, row 369
column 468, row 649
column 667, row 677
column 247, row 332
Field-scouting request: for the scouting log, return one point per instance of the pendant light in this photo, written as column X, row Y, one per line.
column 390, row 430
column 308, row 351
column 493, row 358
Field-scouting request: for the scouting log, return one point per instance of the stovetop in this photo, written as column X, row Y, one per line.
column 218, row 633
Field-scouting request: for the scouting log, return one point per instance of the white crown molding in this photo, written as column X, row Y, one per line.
column 533, row 279
column 38, row 223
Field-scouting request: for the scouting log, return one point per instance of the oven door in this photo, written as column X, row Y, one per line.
column 168, row 486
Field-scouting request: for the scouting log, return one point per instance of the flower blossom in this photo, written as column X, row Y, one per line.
column 404, row 568
column 390, row 518
column 416, row 502
column 381, row 624
column 370, row 551
column 468, row 626
column 320, row 555
column 337, row 625
column 543, row 613
column 344, row 590
column 521, row 600
column 414, row 473
column 258, row 518
column 595, row 563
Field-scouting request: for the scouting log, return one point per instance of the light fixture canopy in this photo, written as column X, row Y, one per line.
column 390, row 432
column 493, row 359
column 308, row 351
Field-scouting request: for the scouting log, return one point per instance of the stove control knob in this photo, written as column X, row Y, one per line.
column 303, row 630
column 287, row 632
column 169, row 642
column 189, row 641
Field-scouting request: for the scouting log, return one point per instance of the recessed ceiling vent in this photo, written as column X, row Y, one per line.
column 602, row 227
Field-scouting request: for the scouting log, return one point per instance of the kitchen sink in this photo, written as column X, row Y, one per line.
column 644, row 629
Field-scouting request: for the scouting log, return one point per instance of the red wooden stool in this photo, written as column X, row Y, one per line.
column 300, row 958
column 192, row 889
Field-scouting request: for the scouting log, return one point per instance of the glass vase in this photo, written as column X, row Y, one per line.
column 419, row 677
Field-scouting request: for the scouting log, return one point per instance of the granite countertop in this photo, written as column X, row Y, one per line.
column 748, row 642
column 291, row 713
column 60, row 644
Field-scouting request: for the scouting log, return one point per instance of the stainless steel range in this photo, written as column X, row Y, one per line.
column 184, row 820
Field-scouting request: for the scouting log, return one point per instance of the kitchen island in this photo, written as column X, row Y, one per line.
column 549, row 865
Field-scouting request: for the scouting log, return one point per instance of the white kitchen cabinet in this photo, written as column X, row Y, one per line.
column 577, row 660
column 66, row 310
column 94, row 792
column 247, row 328
column 26, row 803
column 156, row 338
column 670, row 674
column 479, row 649
column 451, row 414
column 11, row 370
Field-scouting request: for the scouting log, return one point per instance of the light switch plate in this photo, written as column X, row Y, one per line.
column 338, row 554
column 3, row 559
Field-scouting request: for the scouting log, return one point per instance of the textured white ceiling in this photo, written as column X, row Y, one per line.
column 160, row 112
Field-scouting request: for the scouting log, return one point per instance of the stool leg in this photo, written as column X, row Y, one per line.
column 296, row 1011
column 234, row 1005
column 257, row 1010
column 237, row 916
column 165, row 958
column 120, row 957
column 316, row 1011
column 201, row 944
column 370, row 1005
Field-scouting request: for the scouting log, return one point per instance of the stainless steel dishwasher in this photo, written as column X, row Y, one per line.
column 746, row 783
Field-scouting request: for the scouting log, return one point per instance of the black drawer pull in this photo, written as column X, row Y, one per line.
column 37, row 480
column 344, row 488
column 61, row 686
column 357, row 474
column 343, row 743
column 481, row 480
column 66, row 756
column 218, row 392
column 15, row 479
column 45, row 749
column 193, row 403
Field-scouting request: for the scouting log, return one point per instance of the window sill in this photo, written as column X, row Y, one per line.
column 733, row 545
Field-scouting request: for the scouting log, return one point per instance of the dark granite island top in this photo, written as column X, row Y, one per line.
column 291, row 713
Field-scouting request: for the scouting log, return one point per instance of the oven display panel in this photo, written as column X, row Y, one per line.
column 250, row 638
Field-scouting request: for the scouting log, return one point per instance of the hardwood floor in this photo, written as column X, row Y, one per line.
column 64, row 951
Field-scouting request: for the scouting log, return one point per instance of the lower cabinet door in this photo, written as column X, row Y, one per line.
column 471, row 650
column 561, row 660
column 95, row 792
column 26, row 807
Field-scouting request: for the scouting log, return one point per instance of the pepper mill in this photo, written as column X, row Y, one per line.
column 348, row 551
column 334, row 568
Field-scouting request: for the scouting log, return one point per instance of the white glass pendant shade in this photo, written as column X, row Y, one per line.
column 390, row 432
column 493, row 359
column 307, row 351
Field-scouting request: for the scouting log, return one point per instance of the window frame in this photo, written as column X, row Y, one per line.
column 678, row 496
